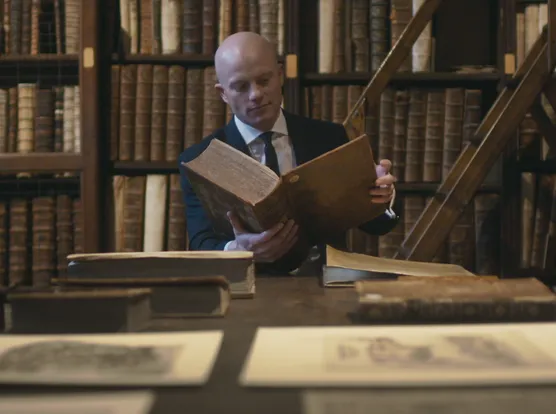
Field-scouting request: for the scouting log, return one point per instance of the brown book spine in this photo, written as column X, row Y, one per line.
column 550, row 255
column 127, row 111
column 156, row 10
column 3, row 243
column 133, row 215
column 172, row 16
column 339, row 103
column 461, row 240
column 542, row 213
column 401, row 113
column 268, row 15
column 224, row 20
column 412, row 209
column 175, row 112
column 416, row 126
column 529, row 139
column 487, row 234
column 159, row 112
column 59, row 27
column 176, row 230
column 69, row 118
column 400, row 15
column 254, row 25
column 13, row 118
column 380, row 42
column 214, row 110
column 146, row 29
column 77, row 119
column 339, row 64
column 35, row 31
column 26, row 117
column 19, row 243
column 4, row 119
column 471, row 114
column 326, row 103
column 77, row 219
column 16, row 11
column 193, row 131
column 143, row 105
column 72, row 19
column 114, row 112
column 359, row 35
column 64, row 233
column 452, row 128
column 44, row 243
column 242, row 16
column 386, row 125
column 192, row 34
column 25, row 45
column 372, row 126
column 59, row 118
column 7, row 27
column 209, row 23
column 434, row 137
column 44, row 121
column 315, row 105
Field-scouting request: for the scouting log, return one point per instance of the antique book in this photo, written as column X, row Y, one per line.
column 455, row 300
column 51, row 310
column 419, row 356
column 326, row 196
column 131, row 359
column 171, row 297
column 237, row 267
column 342, row 268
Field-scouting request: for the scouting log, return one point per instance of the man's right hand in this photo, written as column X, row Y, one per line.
column 268, row 246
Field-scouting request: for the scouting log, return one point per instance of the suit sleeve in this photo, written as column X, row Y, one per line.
column 382, row 224
column 199, row 228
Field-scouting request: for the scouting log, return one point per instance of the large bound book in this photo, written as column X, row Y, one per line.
column 342, row 269
column 237, row 267
column 455, row 300
column 325, row 196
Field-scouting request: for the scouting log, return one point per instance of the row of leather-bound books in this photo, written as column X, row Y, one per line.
column 34, row 118
column 196, row 26
column 36, row 236
column 32, row 27
column 356, row 35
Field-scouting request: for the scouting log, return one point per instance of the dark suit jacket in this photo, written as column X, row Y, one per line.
column 310, row 138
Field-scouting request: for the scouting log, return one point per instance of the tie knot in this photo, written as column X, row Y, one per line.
column 267, row 137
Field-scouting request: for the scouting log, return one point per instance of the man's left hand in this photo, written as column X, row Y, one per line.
column 384, row 185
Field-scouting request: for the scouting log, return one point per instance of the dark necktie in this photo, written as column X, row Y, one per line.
column 270, row 152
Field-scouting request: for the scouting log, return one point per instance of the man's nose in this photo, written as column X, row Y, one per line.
column 255, row 93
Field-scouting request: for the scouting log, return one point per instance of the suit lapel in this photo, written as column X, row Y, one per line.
column 299, row 138
column 234, row 138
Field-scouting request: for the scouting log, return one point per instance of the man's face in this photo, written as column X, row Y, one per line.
column 253, row 89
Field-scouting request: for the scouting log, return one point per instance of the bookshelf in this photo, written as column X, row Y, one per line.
column 109, row 47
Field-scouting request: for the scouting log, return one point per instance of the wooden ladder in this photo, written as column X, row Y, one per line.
column 471, row 167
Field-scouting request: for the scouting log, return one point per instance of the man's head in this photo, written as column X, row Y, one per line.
column 250, row 78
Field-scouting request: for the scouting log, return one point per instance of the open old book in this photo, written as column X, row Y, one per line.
column 344, row 268
column 326, row 196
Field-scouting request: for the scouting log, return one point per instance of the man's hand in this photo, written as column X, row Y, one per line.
column 384, row 185
column 267, row 246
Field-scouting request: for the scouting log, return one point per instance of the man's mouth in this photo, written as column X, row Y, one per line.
column 258, row 108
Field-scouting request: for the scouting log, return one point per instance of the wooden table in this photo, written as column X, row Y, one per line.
column 294, row 301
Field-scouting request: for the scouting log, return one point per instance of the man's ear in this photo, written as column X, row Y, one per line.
column 221, row 91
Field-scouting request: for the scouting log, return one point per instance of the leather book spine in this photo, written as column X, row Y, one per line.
column 44, row 240
column 529, row 139
column 339, row 103
column 133, row 215
column 128, row 82
column 59, row 119
column 209, row 23
column 25, row 45
column 543, row 209
column 146, row 26
column 160, row 103
column 386, row 125
column 372, row 126
column 339, row 59
column 175, row 112
column 254, row 25
column 360, row 35
column 125, row 25
column 114, row 111
column 242, row 16
column 400, row 14
column 16, row 10
column 461, row 240
column 72, row 26
column 315, row 102
column 326, row 103
column 64, row 233
column 550, row 252
column 442, row 254
column 401, row 113
column 172, row 16
column 77, row 119
column 412, row 209
column 453, row 128
column 3, row 243
column 193, row 130
column 487, row 234
column 378, row 32
column 434, row 137
column 281, row 30
column 26, row 117
column 268, row 12
column 214, row 115
column 77, row 219
column 7, row 27
column 224, row 20
column 156, row 190
column 416, row 126
column 44, row 121
column 471, row 114
column 421, row 49
column 4, row 121
column 18, row 248
column 325, row 42
column 156, row 26
column 143, row 103
column 176, row 230
column 119, row 183
column 13, row 117
column 59, row 24
column 68, row 113
column 192, row 32
column 35, row 30
column 133, row 7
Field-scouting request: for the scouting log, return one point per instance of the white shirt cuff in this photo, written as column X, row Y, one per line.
column 227, row 245
column 390, row 211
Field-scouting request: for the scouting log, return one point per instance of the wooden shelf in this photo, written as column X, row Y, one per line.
column 420, row 188
column 436, row 78
column 145, row 167
column 38, row 185
column 45, row 69
column 540, row 167
column 40, row 162
column 167, row 59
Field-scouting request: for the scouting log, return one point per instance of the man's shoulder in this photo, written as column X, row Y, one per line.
column 193, row 151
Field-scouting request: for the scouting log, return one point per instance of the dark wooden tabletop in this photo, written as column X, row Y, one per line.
column 295, row 301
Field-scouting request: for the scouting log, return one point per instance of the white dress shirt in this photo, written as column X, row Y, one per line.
column 283, row 146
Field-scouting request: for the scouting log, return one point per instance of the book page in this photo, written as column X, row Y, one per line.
column 402, row 356
column 134, row 402
column 149, row 359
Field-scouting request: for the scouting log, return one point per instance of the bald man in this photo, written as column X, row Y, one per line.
column 250, row 82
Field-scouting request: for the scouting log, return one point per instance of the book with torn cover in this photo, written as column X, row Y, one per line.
column 419, row 356
column 342, row 268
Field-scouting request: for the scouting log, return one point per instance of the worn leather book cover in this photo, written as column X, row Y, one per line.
column 170, row 297
column 326, row 196
column 455, row 300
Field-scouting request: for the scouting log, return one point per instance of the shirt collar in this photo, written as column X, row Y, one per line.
column 249, row 133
